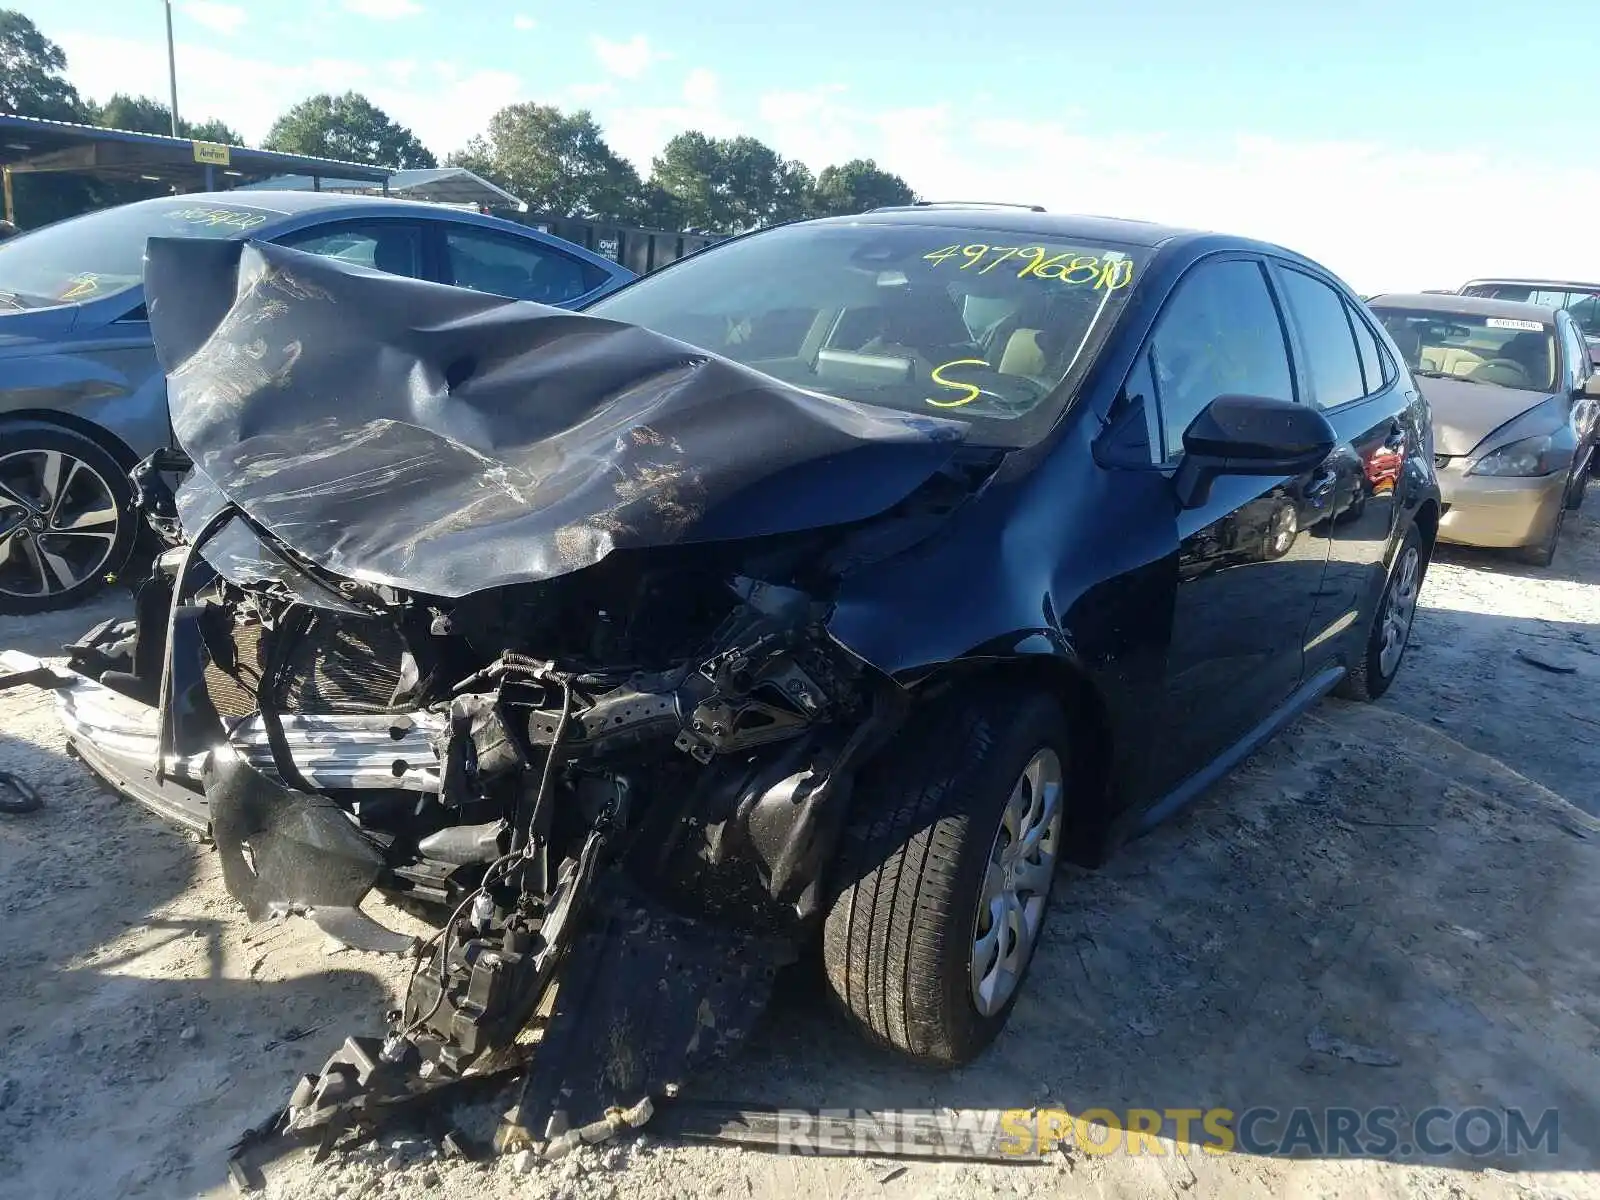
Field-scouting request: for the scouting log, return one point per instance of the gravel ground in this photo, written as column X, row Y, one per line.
column 1391, row 905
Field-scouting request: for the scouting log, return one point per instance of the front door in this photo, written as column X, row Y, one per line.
column 1251, row 557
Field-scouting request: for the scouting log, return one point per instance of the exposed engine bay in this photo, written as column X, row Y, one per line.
column 619, row 790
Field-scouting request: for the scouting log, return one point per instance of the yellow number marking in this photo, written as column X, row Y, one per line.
column 1070, row 267
column 82, row 285
column 1034, row 254
column 1009, row 251
column 1118, row 273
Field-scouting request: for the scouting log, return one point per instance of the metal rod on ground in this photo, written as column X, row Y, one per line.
column 172, row 70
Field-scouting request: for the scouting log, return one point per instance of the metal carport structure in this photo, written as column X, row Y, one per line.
column 34, row 145
column 435, row 185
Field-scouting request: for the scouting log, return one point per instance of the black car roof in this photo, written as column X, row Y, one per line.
column 1023, row 220
column 1542, row 285
column 1465, row 306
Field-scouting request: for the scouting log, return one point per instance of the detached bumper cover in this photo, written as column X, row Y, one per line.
column 116, row 736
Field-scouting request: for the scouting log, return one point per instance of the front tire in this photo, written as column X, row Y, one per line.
column 1390, row 634
column 945, row 873
column 66, row 518
column 1544, row 554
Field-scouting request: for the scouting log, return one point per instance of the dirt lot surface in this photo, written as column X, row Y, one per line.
column 1391, row 906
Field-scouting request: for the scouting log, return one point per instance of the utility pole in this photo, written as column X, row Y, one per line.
column 172, row 70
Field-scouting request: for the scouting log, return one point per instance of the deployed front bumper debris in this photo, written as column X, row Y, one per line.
column 305, row 855
column 647, row 998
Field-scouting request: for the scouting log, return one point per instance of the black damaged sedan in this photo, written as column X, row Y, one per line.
column 827, row 587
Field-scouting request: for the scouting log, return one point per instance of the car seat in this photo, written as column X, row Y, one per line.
column 395, row 254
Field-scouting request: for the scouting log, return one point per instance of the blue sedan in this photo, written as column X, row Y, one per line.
column 82, row 398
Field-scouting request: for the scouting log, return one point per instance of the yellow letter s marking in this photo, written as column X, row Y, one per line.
column 973, row 390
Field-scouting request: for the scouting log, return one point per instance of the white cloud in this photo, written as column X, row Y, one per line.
column 588, row 93
column 383, row 10
column 443, row 105
column 700, row 88
column 222, row 18
column 629, row 59
column 523, row 22
column 1384, row 215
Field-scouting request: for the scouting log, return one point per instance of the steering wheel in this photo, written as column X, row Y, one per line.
column 1508, row 364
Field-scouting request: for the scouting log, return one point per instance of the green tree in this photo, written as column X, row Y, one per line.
column 559, row 163
column 145, row 114
column 33, row 84
column 348, row 127
column 32, row 72
column 731, row 184
column 857, row 186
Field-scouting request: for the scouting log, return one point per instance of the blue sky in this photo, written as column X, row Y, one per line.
column 1403, row 143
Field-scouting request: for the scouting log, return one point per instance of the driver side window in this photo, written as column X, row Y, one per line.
column 1219, row 334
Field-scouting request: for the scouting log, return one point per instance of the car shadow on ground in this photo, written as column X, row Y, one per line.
column 145, row 1026
column 1367, row 916
column 1577, row 558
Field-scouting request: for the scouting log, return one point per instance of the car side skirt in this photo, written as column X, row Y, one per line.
column 1301, row 699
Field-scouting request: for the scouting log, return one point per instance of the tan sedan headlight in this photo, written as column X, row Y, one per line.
column 1529, row 457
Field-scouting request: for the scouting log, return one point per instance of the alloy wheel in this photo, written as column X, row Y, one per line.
column 1016, row 882
column 1400, row 609
column 58, row 523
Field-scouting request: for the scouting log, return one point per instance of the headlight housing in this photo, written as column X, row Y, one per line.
column 1524, row 459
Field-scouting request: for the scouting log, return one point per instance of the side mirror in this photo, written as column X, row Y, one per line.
column 1249, row 435
column 1591, row 386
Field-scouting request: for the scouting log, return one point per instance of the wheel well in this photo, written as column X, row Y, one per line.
column 1427, row 522
column 99, row 434
column 1090, row 819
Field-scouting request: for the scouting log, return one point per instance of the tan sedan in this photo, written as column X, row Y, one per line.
column 1515, row 400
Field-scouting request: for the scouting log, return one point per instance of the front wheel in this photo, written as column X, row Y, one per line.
column 1543, row 554
column 1390, row 634
column 65, row 517
column 945, row 873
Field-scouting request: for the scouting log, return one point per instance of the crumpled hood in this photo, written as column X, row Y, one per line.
column 447, row 442
column 1465, row 413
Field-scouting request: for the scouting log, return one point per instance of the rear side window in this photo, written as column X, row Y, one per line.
column 1218, row 335
column 1367, row 346
column 520, row 268
column 1326, row 337
column 394, row 247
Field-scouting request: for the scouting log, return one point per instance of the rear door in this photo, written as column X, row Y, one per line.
column 1250, row 558
column 523, row 268
column 1347, row 374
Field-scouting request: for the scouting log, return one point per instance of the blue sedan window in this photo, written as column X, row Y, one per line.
column 517, row 267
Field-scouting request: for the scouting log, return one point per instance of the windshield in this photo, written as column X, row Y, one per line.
column 1501, row 351
column 989, row 327
column 102, row 253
